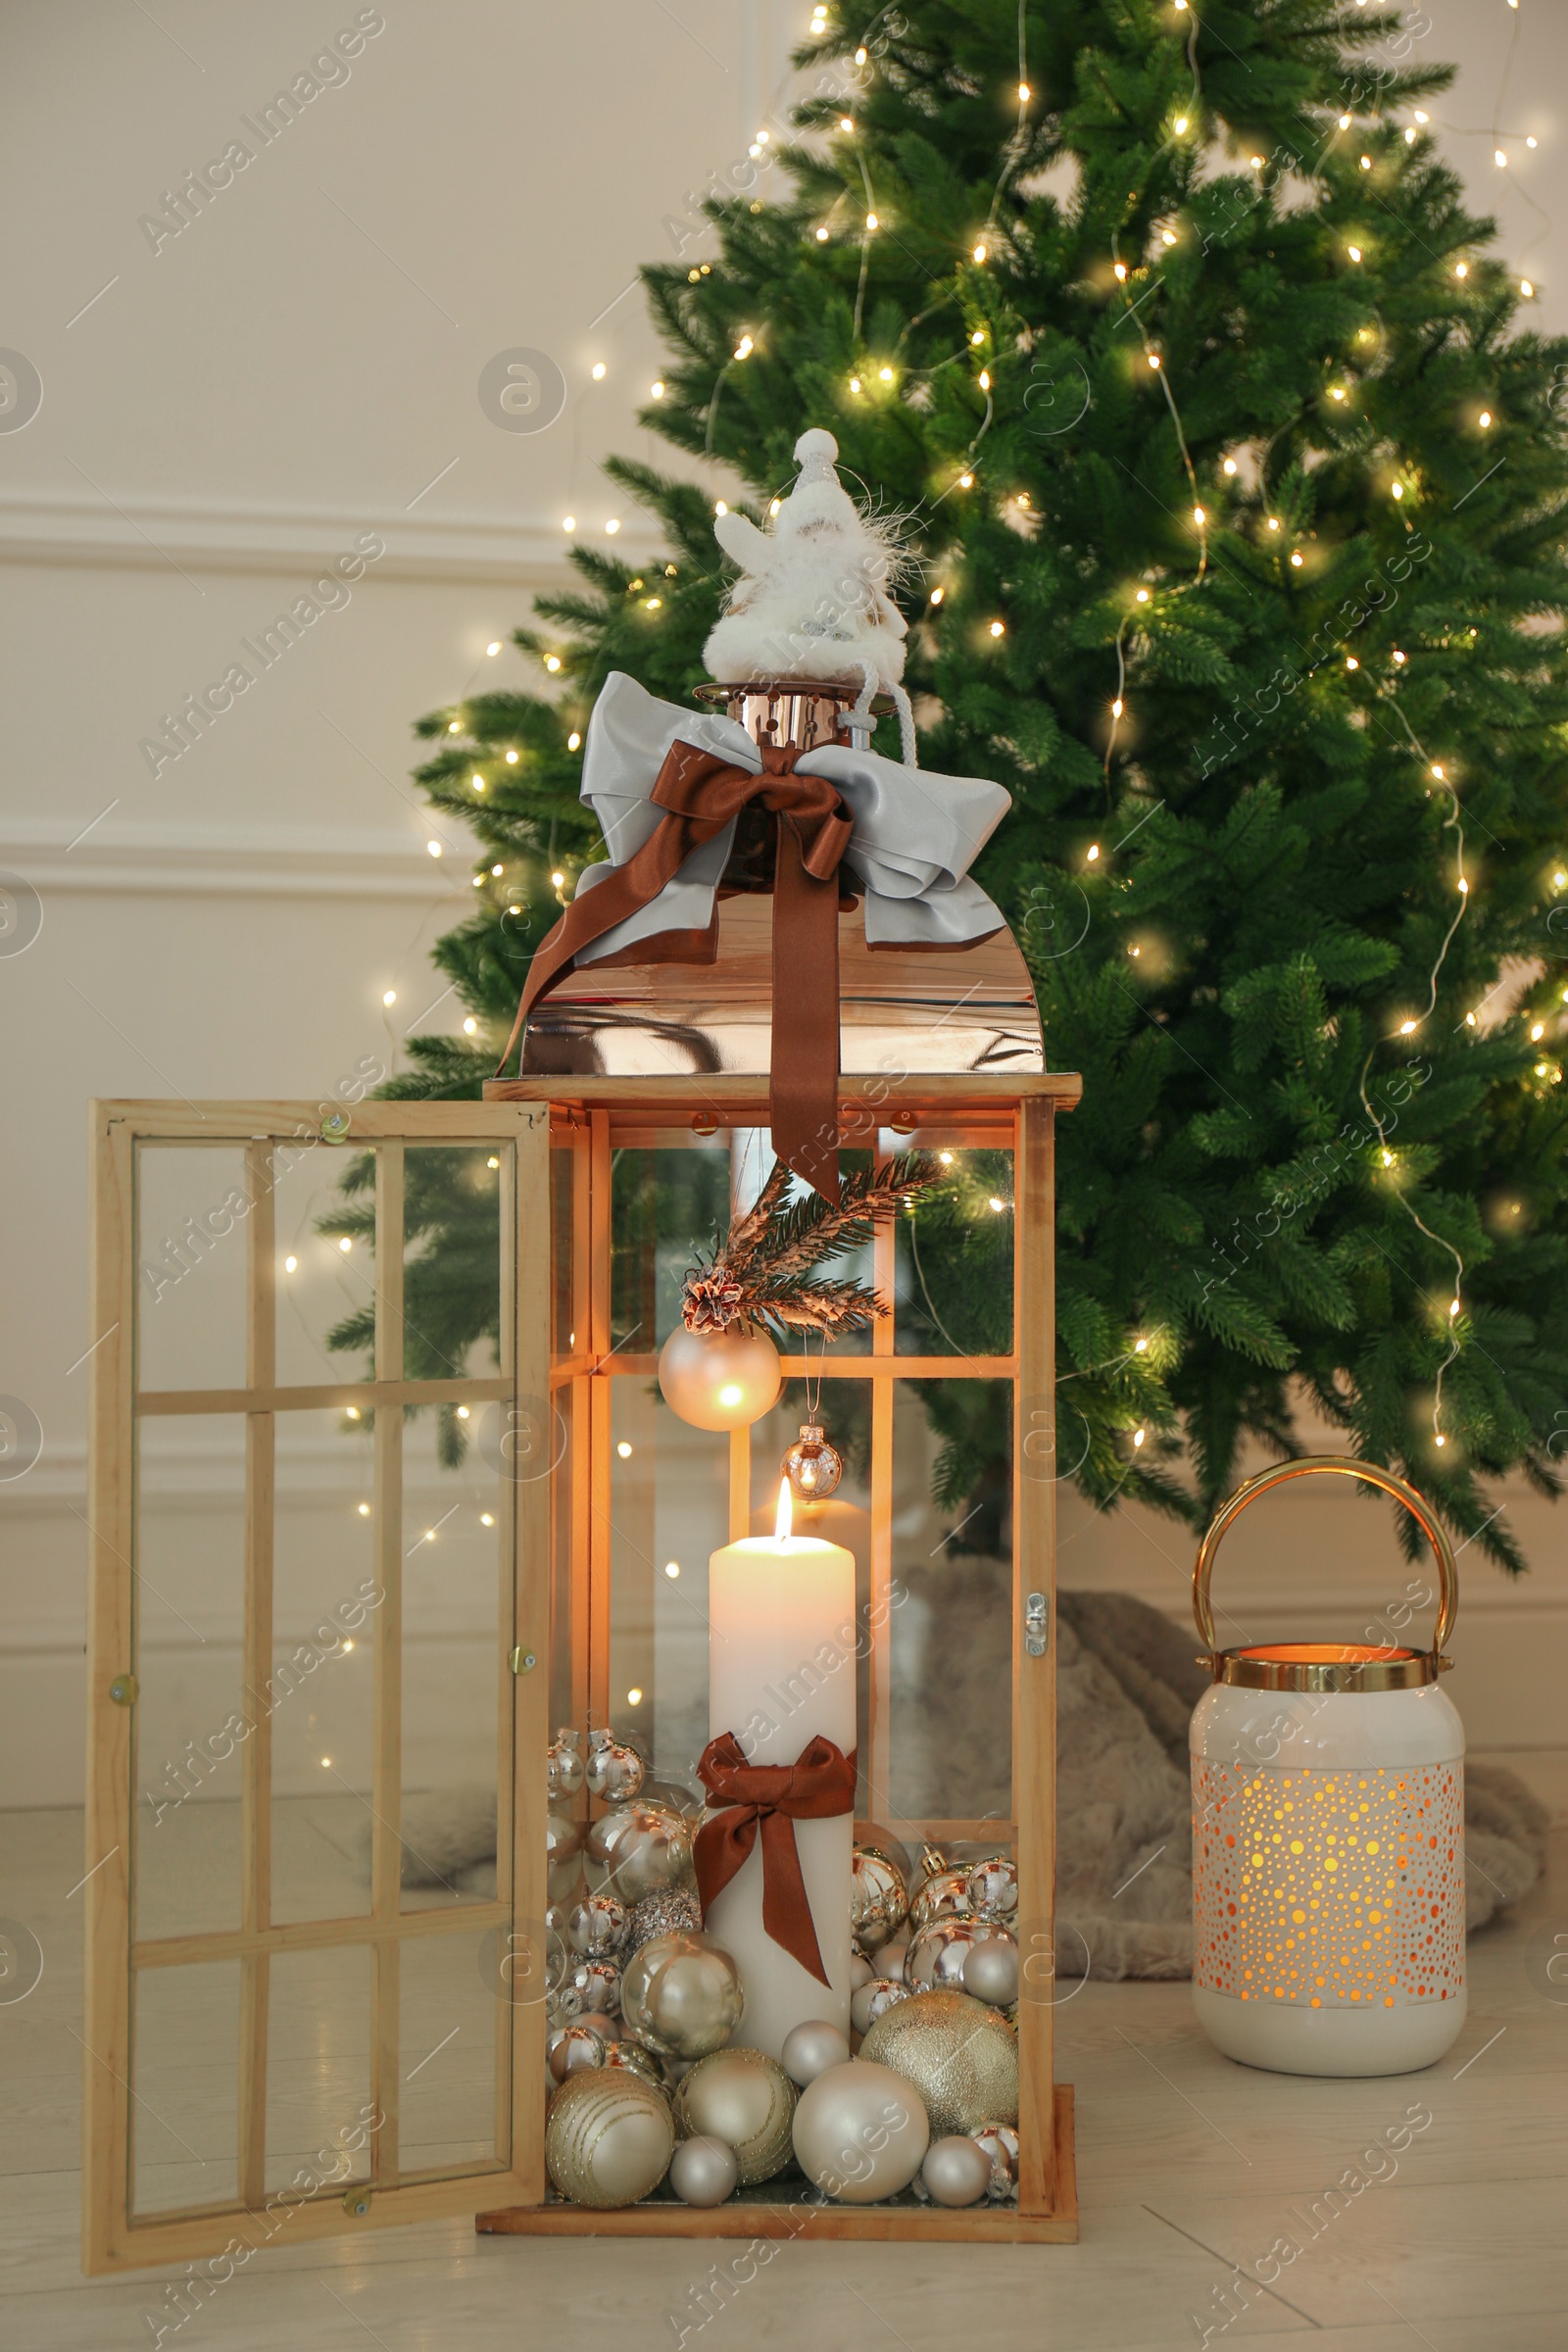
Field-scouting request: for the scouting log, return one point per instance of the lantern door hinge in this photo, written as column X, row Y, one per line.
column 1036, row 1625
column 522, row 1661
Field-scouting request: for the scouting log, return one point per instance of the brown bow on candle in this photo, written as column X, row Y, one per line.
column 818, row 1784
column 701, row 792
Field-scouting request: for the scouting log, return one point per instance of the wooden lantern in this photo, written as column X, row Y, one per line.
column 523, row 1532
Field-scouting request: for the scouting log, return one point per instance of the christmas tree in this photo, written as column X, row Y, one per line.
column 1236, row 479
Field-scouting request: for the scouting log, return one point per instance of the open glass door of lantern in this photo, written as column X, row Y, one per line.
column 320, row 1522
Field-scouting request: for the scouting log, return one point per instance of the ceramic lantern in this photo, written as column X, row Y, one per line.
column 1328, row 1835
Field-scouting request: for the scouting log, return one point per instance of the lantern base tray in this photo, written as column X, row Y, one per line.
column 790, row 2211
column 1333, row 2042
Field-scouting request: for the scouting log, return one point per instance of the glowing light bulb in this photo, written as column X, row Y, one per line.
column 720, row 508
column 1345, row 122
column 497, row 870
column 1121, row 270
column 346, row 1244
column 1116, row 708
column 464, row 1413
column 979, row 253
column 1142, row 596
column 1366, row 163
column 1526, row 288
column 656, row 391
column 966, row 482
column 1486, row 418
column 845, row 122
column 1461, row 268
column 434, row 848
column 1094, row 852
column 573, row 741
column 1351, row 661
column 821, row 236
column 985, row 379
column 1410, row 138
column 389, row 996
column 557, row 879
column 1273, row 522
column 1230, row 465
column 1140, row 1347
column 1198, row 516
column 1397, row 491
column 855, row 383
column 454, row 726
column 1439, row 1438
column 289, row 1264
column 1025, row 92
column 492, row 1161
column 494, row 647
column 487, row 1518
column 1499, row 159
column 634, row 1697
column 1153, row 358
column 1354, row 252
column 1387, row 1160
column 1138, row 1436
column 994, row 1205
column 612, row 526
column 1296, row 559
column 1181, row 126
column 1406, row 1028
column 946, row 1159
column 672, row 1569
column 597, row 372
column 1167, row 236
column 998, row 628
column 511, row 758
column 1537, row 1031
column 871, row 221
column 1464, row 888
column 937, row 594
column 552, row 661
column 1336, row 392
column 885, row 374
column 625, row 1451
column 1437, row 771
column 470, row 1027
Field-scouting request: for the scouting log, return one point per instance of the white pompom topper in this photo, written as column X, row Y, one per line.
column 813, row 599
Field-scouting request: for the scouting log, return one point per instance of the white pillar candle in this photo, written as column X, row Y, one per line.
column 780, row 1673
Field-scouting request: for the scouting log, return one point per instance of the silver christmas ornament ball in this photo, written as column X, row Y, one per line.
column 955, row 2172
column 597, row 1985
column 991, row 1972
column 944, row 1895
column 672, row 1911
column 636, row 1849
column 563, row 1764
column 681, row 1996
column 702, row 2170
column 811, row 1465
column 993, row 1890
column 614, row 1772
column 999, row 2143
column 873, row 2000
column 878, row 1902
column 939, row 1953
column 596, row 1927
column 860, row 1971
column 569, row 2048
column 893, row 1959
column 746, row 2099
column 810, row 2049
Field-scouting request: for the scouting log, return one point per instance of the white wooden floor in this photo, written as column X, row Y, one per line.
column 1190, row 2170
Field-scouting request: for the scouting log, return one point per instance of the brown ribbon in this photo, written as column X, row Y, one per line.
column 700, row 792
column 818, row 1784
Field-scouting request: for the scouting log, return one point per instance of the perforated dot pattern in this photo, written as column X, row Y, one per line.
column 1332, row 1889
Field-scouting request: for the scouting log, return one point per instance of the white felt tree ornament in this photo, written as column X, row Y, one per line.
column 812, row 601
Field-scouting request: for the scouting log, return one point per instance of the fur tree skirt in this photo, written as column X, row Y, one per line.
column 1126, row 1686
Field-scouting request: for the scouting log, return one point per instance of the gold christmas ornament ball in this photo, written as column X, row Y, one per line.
column 563, row 1764
column 813, row 1466
column 860, row 2133
column 956, row 2170
column 636, row 1849
column 960, row 2056
column 681, row 1997
column 719, row 1379
column 810, row 2048
column 636, row 2060
column 746, row 2099
column 878, row 1902
column 571, row 2048
column 609, row 2139
column 703, row 2172
column 613, row 1772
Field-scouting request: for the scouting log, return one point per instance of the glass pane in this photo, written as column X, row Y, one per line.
column 321, row 1197
column 184, row 2074
column 844, row 1412
column 448, row 2055
column 327, row 1599
column 451, row 1261
column 191, row 1263
column 318, row 2065
column 454, row 1550
column 668, row 1511
column 951, row 1634
column 668, row 1206
column 566, row 1405
column 563, row 1232
column 191, row 1720
column 955, row 1262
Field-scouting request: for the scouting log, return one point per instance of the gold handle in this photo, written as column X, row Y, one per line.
column 1339, row 1466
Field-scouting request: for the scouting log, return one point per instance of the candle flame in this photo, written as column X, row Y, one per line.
column 781, row 1527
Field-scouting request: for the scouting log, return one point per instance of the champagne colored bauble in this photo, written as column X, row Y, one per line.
column 746, row 2099
column 672, row 1911
column 609, row 2139
column 636, row 2060
column 813, row 1466
column 993, row 1890
column 719, row 1379
column 860, row 2133
column 991, row 1972
column 892, row 1960
column 702, row 2170
column 563, row 1845
column 999, row 2143
column 810, row 2049
column 636, row 1849
column 563, row 1765
column 596, row 1927
column 944, row 1895
column 681, row 1997
column 939, row 1953
column 960, row 2056
column 570, row 2048
column 860, row 1971
column 871, row 2001
column 955, row 2172
column 597, row 1985
column 613, row 1772
column 878, row 1902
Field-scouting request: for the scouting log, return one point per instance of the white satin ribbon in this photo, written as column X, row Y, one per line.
column 916, row 833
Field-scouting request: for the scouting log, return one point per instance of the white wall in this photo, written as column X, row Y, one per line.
column 223, row 416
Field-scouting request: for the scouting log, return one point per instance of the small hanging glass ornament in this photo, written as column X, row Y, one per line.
column 811, row 1465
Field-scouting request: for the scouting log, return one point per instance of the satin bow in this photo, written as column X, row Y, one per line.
column 772, row 1798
